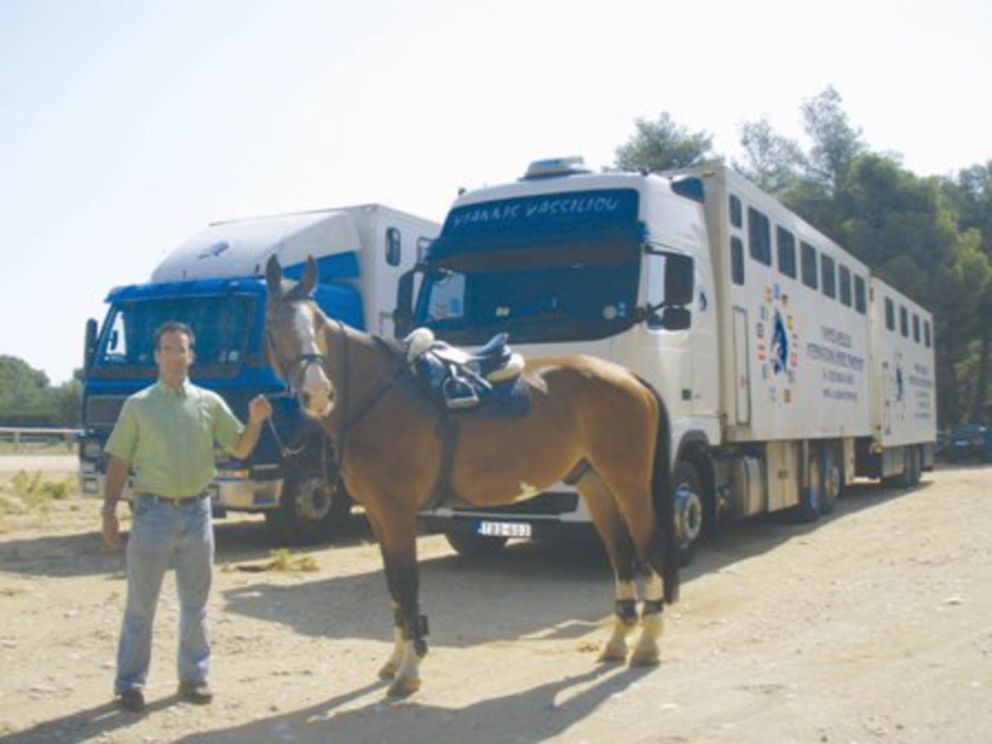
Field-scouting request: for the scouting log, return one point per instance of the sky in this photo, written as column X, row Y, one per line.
column 128, row 125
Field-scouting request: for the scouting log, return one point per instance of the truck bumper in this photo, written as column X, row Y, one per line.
column 227, row 492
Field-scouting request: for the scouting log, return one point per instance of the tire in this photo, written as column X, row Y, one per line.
column 690, row 509
column 832, row 480
column 917, row 465
column 475, row 546
column 811, row 499
column 908, row 468
column 309, row 511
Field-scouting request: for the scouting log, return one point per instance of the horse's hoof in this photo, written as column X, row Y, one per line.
column 645, row 657
column 388, row 671
column 403, row 686
column 613, row 653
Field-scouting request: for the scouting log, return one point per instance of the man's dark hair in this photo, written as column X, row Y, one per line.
column 174, row 326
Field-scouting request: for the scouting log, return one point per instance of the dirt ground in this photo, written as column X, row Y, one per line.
column 872, row 625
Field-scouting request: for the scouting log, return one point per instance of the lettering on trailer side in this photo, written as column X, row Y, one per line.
column 840, row 368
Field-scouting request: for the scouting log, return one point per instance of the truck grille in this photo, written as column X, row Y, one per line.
column 102, row 411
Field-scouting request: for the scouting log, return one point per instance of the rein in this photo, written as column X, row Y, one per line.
column 383, row 386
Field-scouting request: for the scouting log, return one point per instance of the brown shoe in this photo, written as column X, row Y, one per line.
column 133, row 700
column 195, row 692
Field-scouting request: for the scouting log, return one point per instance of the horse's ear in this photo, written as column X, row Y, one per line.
column 309, row 280
column 273, row 278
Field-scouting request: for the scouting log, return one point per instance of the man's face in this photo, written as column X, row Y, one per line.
column 173, row 355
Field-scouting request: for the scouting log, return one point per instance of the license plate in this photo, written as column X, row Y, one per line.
column 504, row 529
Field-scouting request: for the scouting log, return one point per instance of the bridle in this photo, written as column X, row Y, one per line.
column 348, row 419
column 285, row 370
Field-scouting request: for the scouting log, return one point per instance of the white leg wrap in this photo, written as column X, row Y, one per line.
column 407, row 679
column 395, row 660
column 647, row 651
column 616, row 646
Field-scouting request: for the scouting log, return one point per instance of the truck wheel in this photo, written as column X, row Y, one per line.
column 832, row 479
column 811, row 498
column 908, row 468
column 690, row 511
column 917, row 465
column 472, row 545
column 309, row 511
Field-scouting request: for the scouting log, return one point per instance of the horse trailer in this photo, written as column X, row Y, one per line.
column 791, row 371
column 215, row 282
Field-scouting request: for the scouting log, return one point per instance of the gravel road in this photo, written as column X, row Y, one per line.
column 872, row 625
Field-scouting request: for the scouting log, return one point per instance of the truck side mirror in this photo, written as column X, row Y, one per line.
column 679, row 280
column 89, row 344
column 676, row 318
column 403, row 314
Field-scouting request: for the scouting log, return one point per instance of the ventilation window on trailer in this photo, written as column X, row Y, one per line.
column 829, row 276
column 809, row 265
column 859, row 294
column 845, row 285
column 786, row 252
column 759, row 233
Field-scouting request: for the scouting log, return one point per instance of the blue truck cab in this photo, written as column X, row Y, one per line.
column 215, row 283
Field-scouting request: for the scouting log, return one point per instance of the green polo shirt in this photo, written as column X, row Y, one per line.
column 168, row 438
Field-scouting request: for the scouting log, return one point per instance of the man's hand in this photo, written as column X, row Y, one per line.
column 111, row 530
column 113, row 488
column 259, row 409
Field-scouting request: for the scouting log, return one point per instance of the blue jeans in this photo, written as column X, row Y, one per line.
column 164, row 536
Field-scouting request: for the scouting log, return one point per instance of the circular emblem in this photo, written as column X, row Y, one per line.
column 777, row 344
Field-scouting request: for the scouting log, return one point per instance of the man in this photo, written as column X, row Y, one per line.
column 165, row 434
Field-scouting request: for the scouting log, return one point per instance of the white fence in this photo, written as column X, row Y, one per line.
column 35, row 437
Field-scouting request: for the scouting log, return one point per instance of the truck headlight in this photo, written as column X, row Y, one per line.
column 90, row 449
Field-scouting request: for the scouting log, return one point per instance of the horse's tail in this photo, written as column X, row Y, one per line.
column 663, row 494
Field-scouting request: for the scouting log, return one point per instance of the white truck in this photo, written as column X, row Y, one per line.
column 782, row 375
column 215, row 282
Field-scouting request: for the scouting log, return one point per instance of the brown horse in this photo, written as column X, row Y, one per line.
column 589, row 418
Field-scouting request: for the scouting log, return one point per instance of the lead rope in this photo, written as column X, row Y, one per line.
column 283, row 449
column 343, row 434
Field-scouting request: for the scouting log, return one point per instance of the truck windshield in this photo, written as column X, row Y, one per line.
column 563, row 302
column 221, row 325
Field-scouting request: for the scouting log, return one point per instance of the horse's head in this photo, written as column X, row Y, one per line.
column 294, row 329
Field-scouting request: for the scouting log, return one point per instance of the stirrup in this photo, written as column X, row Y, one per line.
column 458, row 395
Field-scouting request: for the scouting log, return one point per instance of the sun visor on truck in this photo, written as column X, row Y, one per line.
column 241, row 248
column 590, row 227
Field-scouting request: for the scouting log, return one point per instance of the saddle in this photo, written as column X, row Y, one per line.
column 458, row 379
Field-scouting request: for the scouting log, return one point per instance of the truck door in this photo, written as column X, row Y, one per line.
column 742, row 375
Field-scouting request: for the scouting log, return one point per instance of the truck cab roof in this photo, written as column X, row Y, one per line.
column 240, row 248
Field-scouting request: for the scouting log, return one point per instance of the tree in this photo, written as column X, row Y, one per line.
column 772, row 162
column 22, row 393
column 835, row 142
column 662, row 145
column 68, row 399
column 971, row 195
column 27, row 399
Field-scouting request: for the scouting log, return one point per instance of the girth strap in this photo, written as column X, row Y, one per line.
column 447, row 431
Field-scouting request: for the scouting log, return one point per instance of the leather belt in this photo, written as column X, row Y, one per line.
column 186, row 501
